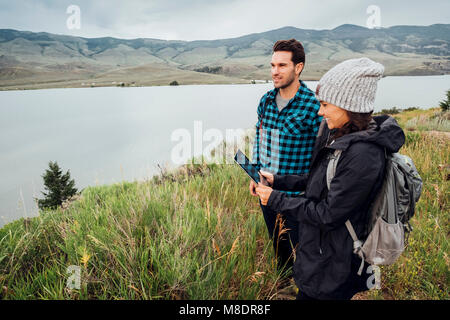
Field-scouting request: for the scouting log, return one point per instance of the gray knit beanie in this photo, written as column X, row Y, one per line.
column 351, row 85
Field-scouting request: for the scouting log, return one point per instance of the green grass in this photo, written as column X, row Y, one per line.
column 198, row 234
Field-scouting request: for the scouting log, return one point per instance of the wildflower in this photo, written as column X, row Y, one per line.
column 85, row 258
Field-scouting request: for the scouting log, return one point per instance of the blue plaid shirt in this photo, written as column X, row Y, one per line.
column 286, row 141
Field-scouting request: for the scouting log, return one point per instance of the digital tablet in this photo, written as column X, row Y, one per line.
column 250, row 168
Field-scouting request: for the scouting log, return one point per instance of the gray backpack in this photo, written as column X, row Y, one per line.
column 390, row 211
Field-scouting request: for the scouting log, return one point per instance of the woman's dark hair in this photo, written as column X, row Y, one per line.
column 358, row 122
column 292, row 45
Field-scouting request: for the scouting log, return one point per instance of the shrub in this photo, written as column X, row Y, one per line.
column 59, row 187
column 445, row 105
column 393, row 110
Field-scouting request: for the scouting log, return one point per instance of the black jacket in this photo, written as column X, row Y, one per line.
column 325, row 266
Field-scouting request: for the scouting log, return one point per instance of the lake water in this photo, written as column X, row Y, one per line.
column 105, row 135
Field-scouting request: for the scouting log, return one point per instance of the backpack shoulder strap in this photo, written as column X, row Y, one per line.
column 332, row 164
column 357, row 244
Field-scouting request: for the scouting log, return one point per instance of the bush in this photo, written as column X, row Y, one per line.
column 207, row 69
column 174, row 83
column 410, row 109
column 393, row 110
column 59, row 186
column 445, row 105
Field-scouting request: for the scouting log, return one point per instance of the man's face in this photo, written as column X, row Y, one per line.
column 284, row 72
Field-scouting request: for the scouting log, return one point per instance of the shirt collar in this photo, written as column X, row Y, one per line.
column 298, row 95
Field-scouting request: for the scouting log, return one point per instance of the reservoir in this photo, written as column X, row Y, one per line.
column 106, row 135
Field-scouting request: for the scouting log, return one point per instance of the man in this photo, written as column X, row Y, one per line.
column 285, row 134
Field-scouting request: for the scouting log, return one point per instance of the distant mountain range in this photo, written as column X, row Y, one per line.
column 38, row 60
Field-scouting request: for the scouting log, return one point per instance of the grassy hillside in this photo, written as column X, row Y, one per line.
column 198, row 234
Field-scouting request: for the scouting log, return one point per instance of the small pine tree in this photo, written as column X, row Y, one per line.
column 445, row 105
column 59, row 187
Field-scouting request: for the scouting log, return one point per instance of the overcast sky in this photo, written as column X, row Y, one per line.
column 210, row 19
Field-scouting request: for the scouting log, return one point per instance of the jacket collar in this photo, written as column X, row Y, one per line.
column 344, row 142
column 383, row 130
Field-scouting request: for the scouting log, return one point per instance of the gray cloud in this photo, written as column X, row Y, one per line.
column 210, row 19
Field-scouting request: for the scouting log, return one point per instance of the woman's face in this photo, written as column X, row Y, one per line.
column 336, row 117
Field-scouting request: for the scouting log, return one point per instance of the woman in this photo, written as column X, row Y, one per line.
column 325, row 265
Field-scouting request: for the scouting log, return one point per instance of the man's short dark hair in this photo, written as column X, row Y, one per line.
column 292, row 45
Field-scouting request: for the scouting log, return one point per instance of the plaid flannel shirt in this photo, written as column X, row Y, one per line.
column 285, row 140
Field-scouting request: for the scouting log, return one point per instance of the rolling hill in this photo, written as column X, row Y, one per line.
column 39, row 60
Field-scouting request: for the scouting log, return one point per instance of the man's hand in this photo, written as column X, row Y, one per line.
column 252, row 188
column 264, row 193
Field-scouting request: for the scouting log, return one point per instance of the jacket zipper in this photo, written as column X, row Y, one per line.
column 320, row 242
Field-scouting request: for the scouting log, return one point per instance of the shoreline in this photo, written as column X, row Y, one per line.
column 83, row 83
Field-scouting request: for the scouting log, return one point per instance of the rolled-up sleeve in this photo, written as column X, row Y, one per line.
column 255, row 153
